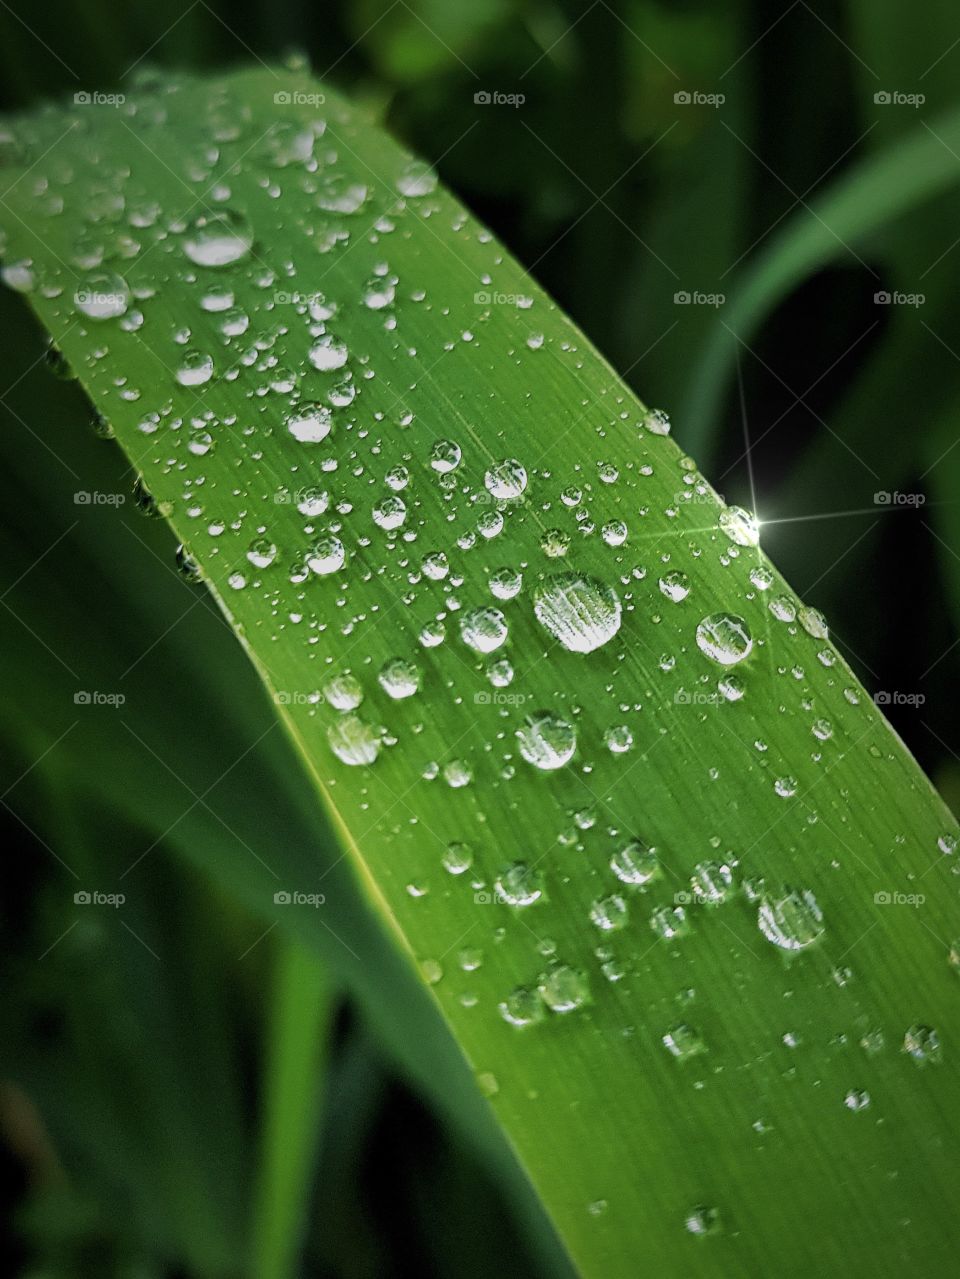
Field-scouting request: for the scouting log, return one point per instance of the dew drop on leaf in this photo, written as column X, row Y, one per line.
column 579, row 611
column 792, row 920
column 218, row 239
column 725, row 638
column 546, row 740
column 353, row 741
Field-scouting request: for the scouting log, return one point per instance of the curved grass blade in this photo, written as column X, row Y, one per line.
column 682, row 897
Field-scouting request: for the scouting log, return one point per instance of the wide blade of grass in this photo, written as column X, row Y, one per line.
column 698, row 862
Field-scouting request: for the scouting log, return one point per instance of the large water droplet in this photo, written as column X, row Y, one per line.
column 483, row 629
column 218, row 239
column 519, row 885
column 400, row 678
column 546, row 741
column 353, row 741
column 102, row 296
column 310, row 423
column 740, row 526
column 581, row 612
column 635, row 863
column 792, row 920
column 327, row 555
column 563, row 989
column 725, row 638
column 506, row 480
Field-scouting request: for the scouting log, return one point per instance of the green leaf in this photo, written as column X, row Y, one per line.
column 768, row 1039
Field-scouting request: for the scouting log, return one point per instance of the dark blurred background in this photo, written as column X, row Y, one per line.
column 662, row 169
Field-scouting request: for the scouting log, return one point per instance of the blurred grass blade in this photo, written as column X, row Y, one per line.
column 682, row 897
column 867, row 198
column 301, row 1009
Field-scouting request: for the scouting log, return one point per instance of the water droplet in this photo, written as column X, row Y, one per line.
column 683, row 1042
column 635, row 863
column 546, row 741
column 813, row 622
column 670, row 922
column 519, row 885
column 857, row 1099
column 457, row 859
column 195, row 368
column 457, row 774
column 102, row 296
column 579, row 611
column 783, row 608
column 435, row 565
column 343, row 692
column 675, row 585
column 310, row 423
column 417, row 179
column 725, row 638
column 353, row 741
column 506, row 480
column 702, row 1220
column 390, row 513
column 400, row 678
column 656, row 421
column 445, row 456
column 563, row 989
column 793, row 921
column 712, row 882
column 218, row 239
column 327, row 354
column 505, row 583
column 731, row 687
column 500, row 673
column 312, row 501
column 740, row 526
column 484, row 629
column 262, row 552
column 327, row 555
column 922, row 1043
column 609, row 913
column 522, row 1007
column 618, row 739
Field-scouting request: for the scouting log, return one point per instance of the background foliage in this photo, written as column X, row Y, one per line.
column 799, row 198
